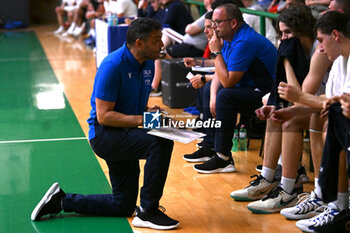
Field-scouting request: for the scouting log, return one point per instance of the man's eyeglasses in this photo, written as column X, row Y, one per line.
column 216, row 23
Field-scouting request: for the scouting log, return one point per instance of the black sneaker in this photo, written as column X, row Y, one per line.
column 302, row 175
column 340, row 224
column 203, row 154
column 258, row 168
column 155, row 219
column 155, row 93
column 50, row 203
column 215, row 165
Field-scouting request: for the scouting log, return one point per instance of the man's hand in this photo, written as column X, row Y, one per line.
column 216, row 43
column 154, row 108
column 189, row 61
column 345, row 104
column 282, row 115
column 196, row 81
column 265, row 112
column 289, row 92
column 326, row 105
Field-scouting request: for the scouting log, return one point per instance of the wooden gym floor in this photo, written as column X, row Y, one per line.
column 46, row 83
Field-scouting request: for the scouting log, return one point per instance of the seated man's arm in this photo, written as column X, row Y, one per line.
column 193, row 29
column 227, row 78
column 108, row 117
column 214, row 88
column 318, row 68
column 290, row 75
column 319, row 65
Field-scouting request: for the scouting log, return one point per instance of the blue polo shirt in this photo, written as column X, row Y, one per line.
column 122, row 80
column 252, row 53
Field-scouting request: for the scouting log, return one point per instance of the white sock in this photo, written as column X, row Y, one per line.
column 287, row 184
column 342, row 201
column 142, row 209
column 92, row 32
column 268, row 173
column 318, row 190
column 223, row 157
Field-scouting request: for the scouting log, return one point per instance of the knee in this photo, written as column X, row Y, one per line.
column 292, row 126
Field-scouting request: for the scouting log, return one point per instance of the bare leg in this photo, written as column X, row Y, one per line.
column 292, row 145
column 343, row 177
column 316, row 142
column 272, row 146
column 59, row 15
column 157, row 73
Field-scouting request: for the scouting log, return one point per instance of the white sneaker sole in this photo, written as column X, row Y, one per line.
column 299, row 216
column 47, row 197
column 227, row 169
column 137, row 222
column 303, row 227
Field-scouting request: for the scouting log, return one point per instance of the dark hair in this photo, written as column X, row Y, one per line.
column 344, row 5
column 334, row 20
column 232, row 11
column 299, row 19
column 141, row 28
column 217, row 3
column 209, row 15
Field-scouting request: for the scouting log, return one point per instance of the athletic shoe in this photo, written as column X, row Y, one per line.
column 155, row 93
column 155, row 219
column 201, row 155
column 199, row 144
column 59, row 30
column 340, row 224
column 257, row 189
column 308, row 206
column 78, row 30
column 50, row 203
column 258, row 168
column 302, row 175
column 326, row 217
column 216, row 165
column 275, row 200
column 71, row 29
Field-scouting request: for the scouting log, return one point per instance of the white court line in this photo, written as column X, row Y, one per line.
column 44, row 140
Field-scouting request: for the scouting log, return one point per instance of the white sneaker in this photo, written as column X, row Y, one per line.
column 71, row 29
column 323, row 218
column 78, row 30
column 257, row 189
column 276, row 200
column 308, row 206
column 59, row 30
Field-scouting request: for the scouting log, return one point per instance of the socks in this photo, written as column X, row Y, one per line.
column 142, row 209
column 342, row 201
column 318, row 190
column 223, row 157
column 287, row 184
column 268, row 173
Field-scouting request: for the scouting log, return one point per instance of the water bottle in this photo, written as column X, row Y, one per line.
column 235, row 141
column 243, row 138
column 112, row 20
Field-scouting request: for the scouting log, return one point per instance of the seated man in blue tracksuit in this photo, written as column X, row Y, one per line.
column 119, row 99
column 244, row 73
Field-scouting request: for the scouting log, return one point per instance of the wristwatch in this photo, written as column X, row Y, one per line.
column 203, row 79
column 215, row 54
